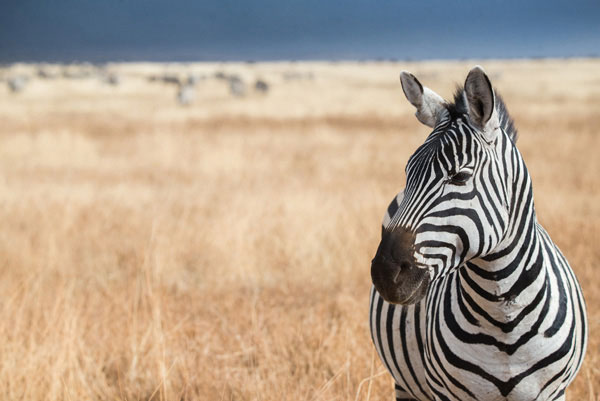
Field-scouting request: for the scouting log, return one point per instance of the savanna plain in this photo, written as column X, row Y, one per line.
column 220, row 250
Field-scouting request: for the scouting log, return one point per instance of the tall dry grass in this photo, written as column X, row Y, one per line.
column 221, row 251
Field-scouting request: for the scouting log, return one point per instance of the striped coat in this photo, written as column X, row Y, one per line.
column 471, row 298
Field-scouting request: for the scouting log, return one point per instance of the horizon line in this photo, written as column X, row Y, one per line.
column 299, row 60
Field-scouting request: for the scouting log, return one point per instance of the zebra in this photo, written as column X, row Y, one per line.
column 471, row 300
column 261, row 86
column 186, row 94
column 17, row 84
column 236, row 86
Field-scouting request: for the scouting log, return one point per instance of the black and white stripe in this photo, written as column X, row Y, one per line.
column 503, row 316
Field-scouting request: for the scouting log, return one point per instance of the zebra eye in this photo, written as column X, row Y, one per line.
column 460, row 178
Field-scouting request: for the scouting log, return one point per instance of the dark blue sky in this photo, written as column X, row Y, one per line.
column 186, row 30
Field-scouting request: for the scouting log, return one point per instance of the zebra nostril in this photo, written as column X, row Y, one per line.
column 402, row 268
column 405, row 265
column 397, row 276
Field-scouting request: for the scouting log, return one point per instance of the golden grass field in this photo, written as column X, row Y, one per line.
column 221, row 251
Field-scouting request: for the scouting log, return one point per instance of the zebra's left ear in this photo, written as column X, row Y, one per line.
column 481, row 101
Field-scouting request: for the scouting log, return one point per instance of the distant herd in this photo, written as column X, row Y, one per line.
column 185, row 83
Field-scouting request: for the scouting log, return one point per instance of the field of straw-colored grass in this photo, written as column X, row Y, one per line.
column 221, row 251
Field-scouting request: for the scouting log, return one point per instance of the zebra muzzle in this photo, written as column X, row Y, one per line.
column 394, row 271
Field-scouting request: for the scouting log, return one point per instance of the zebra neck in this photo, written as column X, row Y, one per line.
column 513, row 275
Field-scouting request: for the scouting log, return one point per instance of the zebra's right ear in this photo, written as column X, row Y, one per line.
column 428, row 103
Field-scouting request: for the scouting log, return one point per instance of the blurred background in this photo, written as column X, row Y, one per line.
column 192, row 192
column 211, row 30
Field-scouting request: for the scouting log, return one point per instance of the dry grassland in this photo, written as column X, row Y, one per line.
column 221, row 251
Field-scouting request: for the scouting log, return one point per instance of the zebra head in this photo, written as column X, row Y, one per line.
column 455, row 206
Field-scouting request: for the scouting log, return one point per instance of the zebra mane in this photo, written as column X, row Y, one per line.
column 459, row 107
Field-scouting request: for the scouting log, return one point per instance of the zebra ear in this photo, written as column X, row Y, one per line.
column 480, row 97
column 428, row 103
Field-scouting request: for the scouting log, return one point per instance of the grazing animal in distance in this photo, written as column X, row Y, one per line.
column 236, row 86
column 17, row 84
column 186, row 94
column 193, row 79
column 111, row 79
column 261, row 86
column 471, row 300
column 45, row 73
column 170, row 79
